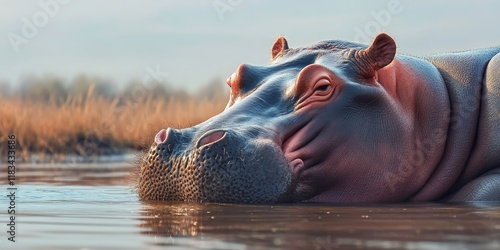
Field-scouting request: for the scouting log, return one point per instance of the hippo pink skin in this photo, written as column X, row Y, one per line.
column 341, row 122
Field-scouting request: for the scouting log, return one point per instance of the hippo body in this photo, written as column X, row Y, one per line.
column 341, row 122
column 473, row 82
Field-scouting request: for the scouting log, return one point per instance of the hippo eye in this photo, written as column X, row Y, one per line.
column 323, row 88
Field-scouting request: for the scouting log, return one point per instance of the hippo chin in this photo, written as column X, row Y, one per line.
column 341, row 122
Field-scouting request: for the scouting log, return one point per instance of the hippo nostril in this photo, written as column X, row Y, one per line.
column 211, row 138
column 297, row 165
column 161, row 136
column 164, row 136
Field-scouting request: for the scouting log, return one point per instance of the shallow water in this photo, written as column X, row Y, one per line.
column 78, row 206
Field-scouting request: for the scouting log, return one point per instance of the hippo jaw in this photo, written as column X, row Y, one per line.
column 227, row 167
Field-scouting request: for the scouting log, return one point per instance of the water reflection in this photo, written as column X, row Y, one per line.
column 158, row 219
column 295, row 226
column 84, row 174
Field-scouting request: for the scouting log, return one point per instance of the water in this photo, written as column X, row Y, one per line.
column 78, row 206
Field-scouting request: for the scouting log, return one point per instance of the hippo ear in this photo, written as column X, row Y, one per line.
column 280, row 45
column 380, row 53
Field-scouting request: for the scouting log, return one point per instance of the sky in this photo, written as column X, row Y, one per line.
column 192, row 42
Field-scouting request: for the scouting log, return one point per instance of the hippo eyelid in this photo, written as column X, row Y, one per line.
column 321, row 86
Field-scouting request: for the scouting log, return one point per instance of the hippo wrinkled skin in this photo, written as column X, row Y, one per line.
column 341, row 122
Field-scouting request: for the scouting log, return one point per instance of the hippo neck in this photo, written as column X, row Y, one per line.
column 419, row 89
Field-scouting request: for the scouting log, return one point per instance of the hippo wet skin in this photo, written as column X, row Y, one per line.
column 341, row 122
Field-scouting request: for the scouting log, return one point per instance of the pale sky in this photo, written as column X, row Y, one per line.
column 196, row 41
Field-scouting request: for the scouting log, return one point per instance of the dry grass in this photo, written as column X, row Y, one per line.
column 89, row 125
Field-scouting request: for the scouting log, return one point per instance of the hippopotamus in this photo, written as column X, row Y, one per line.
column 339, row 121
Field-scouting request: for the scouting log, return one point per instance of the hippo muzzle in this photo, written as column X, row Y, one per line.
column 220, row 166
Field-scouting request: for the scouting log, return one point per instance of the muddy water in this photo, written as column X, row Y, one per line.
column 92, row 206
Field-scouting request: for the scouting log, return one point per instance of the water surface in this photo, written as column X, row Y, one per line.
column 93, row 206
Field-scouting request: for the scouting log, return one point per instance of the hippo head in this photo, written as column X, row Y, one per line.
column 314, row 125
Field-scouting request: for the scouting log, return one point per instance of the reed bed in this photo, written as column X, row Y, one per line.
column 93, row 125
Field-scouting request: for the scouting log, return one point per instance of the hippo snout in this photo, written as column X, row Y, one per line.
column 213, row 166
